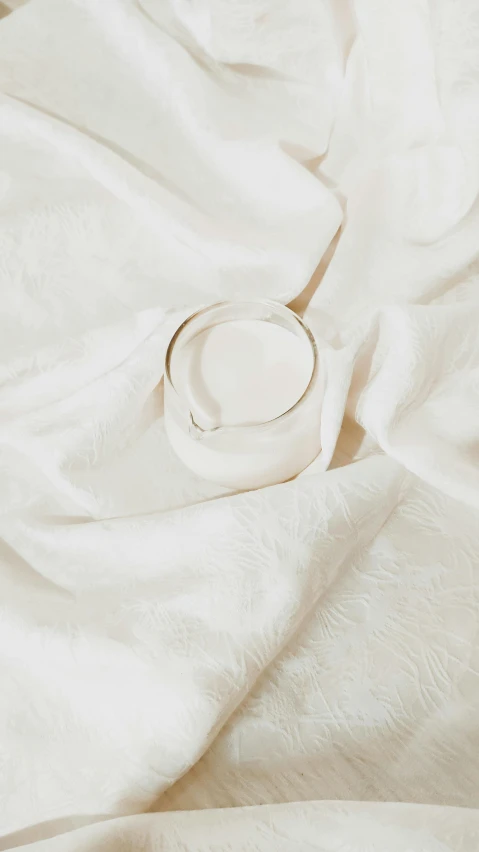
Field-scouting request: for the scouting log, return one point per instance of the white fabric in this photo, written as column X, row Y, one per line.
column 167, row 646
column 321, row 826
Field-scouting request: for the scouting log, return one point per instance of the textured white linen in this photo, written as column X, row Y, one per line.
column 165, row 645
column 321, row 826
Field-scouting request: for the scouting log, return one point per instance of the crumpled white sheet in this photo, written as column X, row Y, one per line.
column 167, row 646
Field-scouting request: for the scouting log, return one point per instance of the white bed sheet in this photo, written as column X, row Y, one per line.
column 164, row 645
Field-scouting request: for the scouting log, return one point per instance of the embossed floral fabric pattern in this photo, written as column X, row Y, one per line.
column 182, row 667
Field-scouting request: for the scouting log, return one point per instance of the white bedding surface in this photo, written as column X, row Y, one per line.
column 164, row 645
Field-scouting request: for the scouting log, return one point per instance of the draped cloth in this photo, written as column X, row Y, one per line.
column 295, row 667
